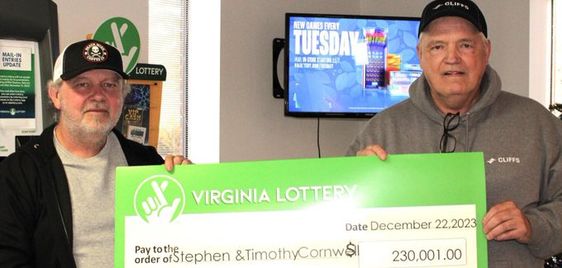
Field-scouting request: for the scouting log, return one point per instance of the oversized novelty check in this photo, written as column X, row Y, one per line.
column 422, row 210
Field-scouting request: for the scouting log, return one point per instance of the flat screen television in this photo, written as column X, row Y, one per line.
column 348, row 65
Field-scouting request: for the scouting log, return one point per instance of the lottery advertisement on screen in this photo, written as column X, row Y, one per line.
column 348, row 66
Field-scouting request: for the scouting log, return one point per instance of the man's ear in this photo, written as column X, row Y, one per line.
column 418, row 46
column 54, row 96
column 488, row 49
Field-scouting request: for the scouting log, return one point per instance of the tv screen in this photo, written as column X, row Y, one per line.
column 348, row 65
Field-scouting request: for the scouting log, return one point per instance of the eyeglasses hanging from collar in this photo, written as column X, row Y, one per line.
column 448, row 142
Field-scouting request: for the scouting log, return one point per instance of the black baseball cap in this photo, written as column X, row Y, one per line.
column 465, row 9
column 87, row 55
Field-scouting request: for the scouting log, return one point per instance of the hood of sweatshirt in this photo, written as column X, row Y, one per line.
column 490, row 89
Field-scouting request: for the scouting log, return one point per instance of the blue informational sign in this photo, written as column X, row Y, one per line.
column 349, row 64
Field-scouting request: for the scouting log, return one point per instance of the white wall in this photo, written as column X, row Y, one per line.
column 78, row 18
column 539, row 51
column 203, row 118
column 252, row 125
column 508, row 29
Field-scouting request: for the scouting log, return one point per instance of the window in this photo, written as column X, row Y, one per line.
column 189, row 121
column 167, row 46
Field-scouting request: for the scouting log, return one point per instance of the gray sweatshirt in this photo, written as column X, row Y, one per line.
column 522, row 146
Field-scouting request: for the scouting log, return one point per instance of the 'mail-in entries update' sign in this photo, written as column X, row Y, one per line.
column 17, row 85
column 421, row 210
column 20, row 92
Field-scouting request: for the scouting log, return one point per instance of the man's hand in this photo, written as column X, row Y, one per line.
column 171, row 160
column 505, row 221
column 373, row 150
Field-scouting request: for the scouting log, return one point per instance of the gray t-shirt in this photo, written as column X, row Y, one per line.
column 92, row 193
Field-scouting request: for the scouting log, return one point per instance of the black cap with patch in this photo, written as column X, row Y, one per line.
column 87, row 55
column 465, row 9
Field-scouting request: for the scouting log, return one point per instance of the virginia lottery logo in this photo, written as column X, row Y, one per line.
column 122, row 34
column 159, row 199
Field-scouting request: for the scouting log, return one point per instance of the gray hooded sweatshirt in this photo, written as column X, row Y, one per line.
column 522, row 146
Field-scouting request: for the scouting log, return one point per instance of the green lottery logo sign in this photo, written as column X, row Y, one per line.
column 123, row 35
column 159, row 199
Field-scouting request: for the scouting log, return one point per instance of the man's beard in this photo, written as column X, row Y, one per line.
column 92, row 130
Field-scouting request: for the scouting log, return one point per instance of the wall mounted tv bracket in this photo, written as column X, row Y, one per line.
column 278, row 46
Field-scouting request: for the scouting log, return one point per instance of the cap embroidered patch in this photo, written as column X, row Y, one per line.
column 95, row 52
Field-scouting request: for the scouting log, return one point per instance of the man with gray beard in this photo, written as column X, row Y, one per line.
column 57, row 192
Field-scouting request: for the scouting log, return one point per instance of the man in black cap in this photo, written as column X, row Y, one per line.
column 57, row 192
column 457, row 105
